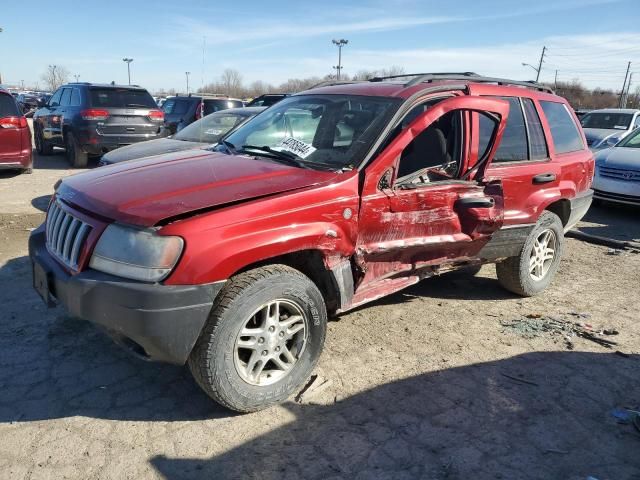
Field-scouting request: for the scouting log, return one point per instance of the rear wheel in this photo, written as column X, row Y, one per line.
column 76, row 157
column 27, row 170
column 533, row 270
column 42, row 146
column 262, row 340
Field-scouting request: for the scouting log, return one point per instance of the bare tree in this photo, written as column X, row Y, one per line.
column 231, row 82
column 54, row 76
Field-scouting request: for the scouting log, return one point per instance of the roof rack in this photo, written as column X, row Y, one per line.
column 330, row 83
column 472, row 77
column 392, row 77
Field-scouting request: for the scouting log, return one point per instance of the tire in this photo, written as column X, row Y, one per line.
column 472, row 270
column 76, row 157
column 42, row 146
column 515, row 274
column 27, row 171
column 222, row 368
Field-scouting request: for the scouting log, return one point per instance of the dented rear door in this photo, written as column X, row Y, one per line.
column 403, row 230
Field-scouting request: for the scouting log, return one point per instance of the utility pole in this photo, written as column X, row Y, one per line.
column 339, row 43
column 626, row 93
column 77, row 77
column 0, row 73
column 624, row 85
column 555, row 81
column 187, row 75
column 128, row 62
column 544, row 50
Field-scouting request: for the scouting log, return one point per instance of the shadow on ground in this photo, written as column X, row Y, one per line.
column 470, row 422
column 614, row 221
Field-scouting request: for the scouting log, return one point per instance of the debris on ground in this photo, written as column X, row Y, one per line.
column 614, row 251
column 314, row 386
column 627, row 416
column 534, row 325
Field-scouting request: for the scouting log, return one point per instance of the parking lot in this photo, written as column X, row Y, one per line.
column 427, row 383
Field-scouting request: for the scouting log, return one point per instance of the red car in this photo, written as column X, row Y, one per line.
column 15, row 136
column 232, row 260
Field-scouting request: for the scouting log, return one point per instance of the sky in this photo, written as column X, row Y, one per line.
column 591, row 40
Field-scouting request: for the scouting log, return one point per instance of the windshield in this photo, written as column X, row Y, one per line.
column 328, row 130
column 121, row 98
column 211, row 128
column 632, row 141
column 211, row 106
column 610, row 121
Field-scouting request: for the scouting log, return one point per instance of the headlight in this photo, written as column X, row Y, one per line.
column 136, row 254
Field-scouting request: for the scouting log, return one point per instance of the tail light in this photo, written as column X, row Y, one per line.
column 13, row 122
column 156, row 116
column 199, row 110
column 94, row 114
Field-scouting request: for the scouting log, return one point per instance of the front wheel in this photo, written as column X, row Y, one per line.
column 263, row 338
column 42, row 146
column 533, row 270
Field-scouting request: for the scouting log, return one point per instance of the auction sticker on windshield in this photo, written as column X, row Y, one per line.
column 300, row 148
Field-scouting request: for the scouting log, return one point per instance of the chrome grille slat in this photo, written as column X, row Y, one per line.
column 66, row 235
column 83, row 231
column 620, row 174
column 68, row 239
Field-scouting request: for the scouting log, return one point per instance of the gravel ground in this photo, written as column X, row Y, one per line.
column 424, row 384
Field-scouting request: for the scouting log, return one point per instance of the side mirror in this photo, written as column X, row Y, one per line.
column 611, row 141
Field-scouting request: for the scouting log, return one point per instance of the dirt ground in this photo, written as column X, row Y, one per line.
column 425, row 384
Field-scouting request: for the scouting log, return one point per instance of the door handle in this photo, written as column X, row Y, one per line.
column 544, row 178
column 476, row 202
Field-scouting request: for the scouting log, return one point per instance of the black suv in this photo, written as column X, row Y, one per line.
column 267, row 99
column 180, row 111
column 92, row 119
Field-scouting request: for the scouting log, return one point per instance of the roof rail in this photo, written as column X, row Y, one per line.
column 391, row 77
column 329, row 83
column 473, row 77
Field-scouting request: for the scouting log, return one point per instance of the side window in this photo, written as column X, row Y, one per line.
column 436, row 153
column 75, row 98
column 55, row 100
column 537, row 143
column 636, row 124
column 564, row 131
column 513, row 147
column 66, row 97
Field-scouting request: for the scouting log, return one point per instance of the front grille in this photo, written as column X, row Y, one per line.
column 66, row 235
column 620, row 174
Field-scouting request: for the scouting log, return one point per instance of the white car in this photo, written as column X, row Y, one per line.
column 617, row 175
column 604, row 128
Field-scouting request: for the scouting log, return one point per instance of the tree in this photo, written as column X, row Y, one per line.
column 231, row 83
column 54, row 76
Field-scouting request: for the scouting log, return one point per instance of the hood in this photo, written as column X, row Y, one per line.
column 147, row 149
column 152, row 189
column 595, row 136
column 619, row 157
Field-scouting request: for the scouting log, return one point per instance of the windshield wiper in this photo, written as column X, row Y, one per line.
column 286, row 157
column 230, row 146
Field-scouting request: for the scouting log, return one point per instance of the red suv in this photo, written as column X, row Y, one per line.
column 15, row 136
column 232, row 260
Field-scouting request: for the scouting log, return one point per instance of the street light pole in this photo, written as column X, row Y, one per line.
column 187, row 75
column 77, row 77
column 128, row 62
column 339, row 43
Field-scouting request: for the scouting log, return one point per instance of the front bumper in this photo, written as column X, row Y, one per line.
column 579, row 206
column 616, row 190
column 159, row 322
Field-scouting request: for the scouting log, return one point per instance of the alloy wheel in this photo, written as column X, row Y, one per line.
column 270, row 342
column 542, row 254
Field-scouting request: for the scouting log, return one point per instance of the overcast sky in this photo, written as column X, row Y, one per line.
column 587, row 39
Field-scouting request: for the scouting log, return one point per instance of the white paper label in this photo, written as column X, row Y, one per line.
column 301, row 149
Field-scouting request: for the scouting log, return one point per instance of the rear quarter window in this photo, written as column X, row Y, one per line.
column 564, row 131
column 177, row 107
column 8, row 107
column 211, row 106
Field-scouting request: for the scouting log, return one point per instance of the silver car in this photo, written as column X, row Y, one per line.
column 604, row 128
column 617, row 175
